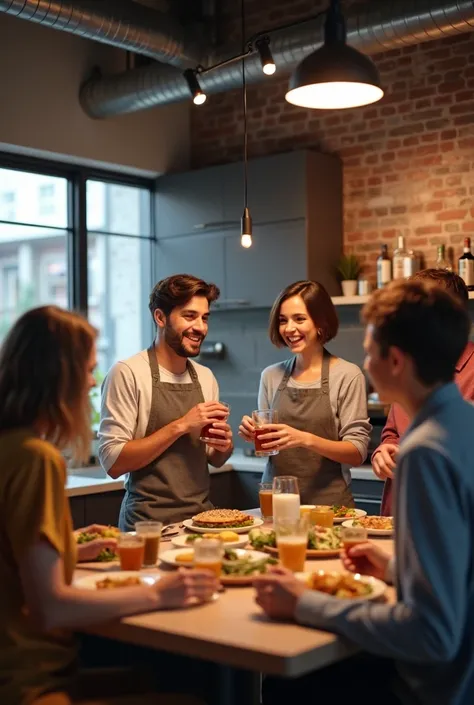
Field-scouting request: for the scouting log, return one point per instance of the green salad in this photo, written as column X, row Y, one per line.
column 320, row 538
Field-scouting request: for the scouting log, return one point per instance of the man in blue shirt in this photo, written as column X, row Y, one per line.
column 415, row 335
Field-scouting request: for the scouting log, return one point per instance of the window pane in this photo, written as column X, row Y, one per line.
column 33, row 270
column 115, row 208
column 33, row 198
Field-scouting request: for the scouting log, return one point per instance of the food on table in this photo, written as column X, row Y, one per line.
column 224, row 536
column 375, row 522
column 240, row 567
column 187, row 557
column 109, row 533
column 341, row 512
column 108, row 583
column 320, row 538
column 342, row 585
column 222, row 519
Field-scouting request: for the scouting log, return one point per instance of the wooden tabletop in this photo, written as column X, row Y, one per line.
column 233, row 631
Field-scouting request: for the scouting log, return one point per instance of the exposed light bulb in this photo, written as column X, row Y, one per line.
column 269, row 69
column 198, row 95
column 246, row 240
column 266, row 59
column 199, row 98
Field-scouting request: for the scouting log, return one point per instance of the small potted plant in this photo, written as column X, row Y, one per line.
column 349, row 269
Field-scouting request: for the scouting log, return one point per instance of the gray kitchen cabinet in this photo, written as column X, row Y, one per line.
column 368, row 495
column 201, row 255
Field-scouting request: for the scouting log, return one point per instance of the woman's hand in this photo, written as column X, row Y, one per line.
column 186, row 587
column 91, row 550
column 367, row 559
column 247, row 429
column 281, row 437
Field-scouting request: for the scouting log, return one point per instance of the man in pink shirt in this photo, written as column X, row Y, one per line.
column 384, row 457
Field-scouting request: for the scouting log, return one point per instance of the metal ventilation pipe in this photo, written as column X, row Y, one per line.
column 121, row 23
column 374, row 27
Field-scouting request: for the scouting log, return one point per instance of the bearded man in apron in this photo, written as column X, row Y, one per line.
column 154, row 406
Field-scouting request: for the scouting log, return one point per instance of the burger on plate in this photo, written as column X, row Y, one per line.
column 222, row 519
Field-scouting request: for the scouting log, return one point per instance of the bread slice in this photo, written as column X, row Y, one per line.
column 222, row 519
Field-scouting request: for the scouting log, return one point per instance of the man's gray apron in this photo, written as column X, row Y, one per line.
column 320, row 480
column 174, row 486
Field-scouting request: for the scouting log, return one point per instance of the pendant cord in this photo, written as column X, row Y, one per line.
column 244, row 103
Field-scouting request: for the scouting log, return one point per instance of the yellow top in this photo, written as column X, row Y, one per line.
column 33, row 504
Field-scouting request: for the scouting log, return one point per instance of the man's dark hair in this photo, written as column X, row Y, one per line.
column 425, row 321
column 177, row 290
column 451, row 281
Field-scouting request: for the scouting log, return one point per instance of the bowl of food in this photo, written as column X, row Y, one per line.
column 115, row 579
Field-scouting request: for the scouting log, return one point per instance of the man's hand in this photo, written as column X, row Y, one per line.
column 278, row 592
column 384, row 461
column 247, row 429
column 186, row 587
column 367, row 559
column 222, row 437
column 202, row 414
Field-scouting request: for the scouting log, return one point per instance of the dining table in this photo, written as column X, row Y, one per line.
column 234, row 633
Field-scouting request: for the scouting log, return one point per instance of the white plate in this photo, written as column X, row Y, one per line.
column 378, row 586
column 358, row 513
column 89, row 581
column 370, row 532
column 188, row 523
column 180, row 541
column 170, row 556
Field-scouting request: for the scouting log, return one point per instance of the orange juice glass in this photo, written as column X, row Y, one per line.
column 208, row 554
column 323, row 516
column 292, row 542
column 307, row 510
column 265, row 495
column 352, row 535
column 131, row 550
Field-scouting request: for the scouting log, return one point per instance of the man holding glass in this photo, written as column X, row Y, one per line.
column 415, row 335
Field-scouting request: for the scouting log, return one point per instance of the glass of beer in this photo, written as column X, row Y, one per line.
column 323, row 515
column 265, row 495
column 205, row 435
column 131, row 550
column 352, row 535
column 292, row 542
column 151, row 533
column 208, row 554
column 260, row 418
column 307, row 510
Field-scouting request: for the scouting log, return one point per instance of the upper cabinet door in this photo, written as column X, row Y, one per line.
column 189, row 202
column 200, row 255
column 277, row 258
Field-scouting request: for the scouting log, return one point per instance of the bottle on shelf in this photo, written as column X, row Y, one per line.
column 384, row 268
column 441, row 261
column 466, row 265
column 400, row 257
column 412, row 264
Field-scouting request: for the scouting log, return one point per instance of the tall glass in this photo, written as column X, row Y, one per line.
column 151, row 533
column 323, row 515
column 260, row 418
column 265, row 495
column 131, row 549
column 286, row 498
column 205, row 435
column 292, row 542
column 208, row 554
column 307, row 510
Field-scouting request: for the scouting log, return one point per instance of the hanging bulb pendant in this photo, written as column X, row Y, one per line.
column 246, row 229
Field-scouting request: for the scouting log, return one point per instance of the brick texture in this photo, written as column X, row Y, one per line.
column 408, row 160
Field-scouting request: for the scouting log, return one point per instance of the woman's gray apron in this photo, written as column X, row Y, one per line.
column 320, row 480
column 174, row 486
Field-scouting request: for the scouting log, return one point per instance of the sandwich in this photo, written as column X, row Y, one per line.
column 222, row 519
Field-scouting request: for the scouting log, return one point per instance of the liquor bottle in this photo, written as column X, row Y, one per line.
column 384, row 268
column 441, row 261
column 399, row 257
column 412, row 264
column 466, row 265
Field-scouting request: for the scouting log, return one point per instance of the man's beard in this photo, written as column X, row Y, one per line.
column 175, row 342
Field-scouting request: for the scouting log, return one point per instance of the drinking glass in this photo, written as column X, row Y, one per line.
column 286, row 497
column 151, row 533
column 205, row 435
column 307, row 510
column 208, row 554
column 131, row 550
column 352, row 535
column 292, row 542
column 323, row 515
column 265, row 495
column 260, row 418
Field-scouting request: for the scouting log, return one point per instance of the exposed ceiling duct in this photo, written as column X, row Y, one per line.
column 121, row 23
column 375, row 27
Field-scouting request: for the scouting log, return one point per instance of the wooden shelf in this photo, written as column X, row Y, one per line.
column 359, row 300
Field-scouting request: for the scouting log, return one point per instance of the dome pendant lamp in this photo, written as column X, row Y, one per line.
column 335, row 76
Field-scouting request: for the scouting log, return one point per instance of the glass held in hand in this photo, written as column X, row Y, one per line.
column 260, row 418
column 352, row 535
column 208, row 555
column 205, row 435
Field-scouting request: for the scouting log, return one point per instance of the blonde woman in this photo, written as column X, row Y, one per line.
column 46, row 371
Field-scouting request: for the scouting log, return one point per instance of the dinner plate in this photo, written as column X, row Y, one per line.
column 370, row 532
column 170, row 557
column 378, row 586
column 89, row 581
column 180, row 542
column 310, row 552
column 188, row 523
column 358, row 513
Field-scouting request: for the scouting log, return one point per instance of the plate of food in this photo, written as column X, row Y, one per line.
column 322, row 542
column 106, row 555
column 375, row 525
column 115, row 579
column 229, row 539
column 240, row 571
column 185, row 556
column 351, row 586
column 341, row 513
column 215, row 521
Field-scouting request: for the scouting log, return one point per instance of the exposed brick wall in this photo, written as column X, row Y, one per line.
column 408, row 160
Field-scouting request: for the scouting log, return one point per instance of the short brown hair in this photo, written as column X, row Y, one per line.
column 320, row 308
column 423, row 320
column 449, row 280
column 177, row 290
column 43, row 377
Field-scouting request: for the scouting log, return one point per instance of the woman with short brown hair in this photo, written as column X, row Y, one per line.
column 320, row 399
